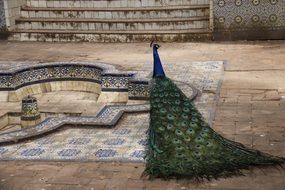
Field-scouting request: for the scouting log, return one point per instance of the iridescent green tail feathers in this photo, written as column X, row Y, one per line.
column 182, row 144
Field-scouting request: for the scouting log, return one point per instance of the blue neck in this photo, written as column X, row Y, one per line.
column 157, row 66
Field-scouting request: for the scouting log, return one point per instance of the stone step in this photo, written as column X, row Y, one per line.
column 113, row 24
column 115, row 13
column 111, row 36
column 112, row 3
column 113, row 21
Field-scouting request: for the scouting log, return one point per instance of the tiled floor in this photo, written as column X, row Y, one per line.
column 125, row 142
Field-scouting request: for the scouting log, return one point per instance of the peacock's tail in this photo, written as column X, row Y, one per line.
column 182, row 144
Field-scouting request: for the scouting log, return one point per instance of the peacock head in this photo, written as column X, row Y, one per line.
column 154, row 44
column 157, row 66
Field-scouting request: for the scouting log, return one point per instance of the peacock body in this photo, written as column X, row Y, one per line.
column 182, row 144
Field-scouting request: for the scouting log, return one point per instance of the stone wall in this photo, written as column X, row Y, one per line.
column 229, row 19
column 12, row 11
column 2, row 17
column 249, row 19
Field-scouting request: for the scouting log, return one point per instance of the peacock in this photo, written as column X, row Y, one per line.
column 182, row 145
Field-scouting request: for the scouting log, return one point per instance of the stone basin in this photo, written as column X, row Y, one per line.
column 74, row 93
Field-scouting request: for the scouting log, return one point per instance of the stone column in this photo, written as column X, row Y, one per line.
column 2, row 17
column 30, row 115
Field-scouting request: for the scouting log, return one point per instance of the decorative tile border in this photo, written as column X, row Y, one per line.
column 108, row 117
column 116, row 82
column 111, row 80
column 45, row 73
column 138, row 90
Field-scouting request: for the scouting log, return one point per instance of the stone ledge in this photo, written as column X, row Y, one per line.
column 21, row 81
column 100, row 20
column 107, row 117
column 153, row 8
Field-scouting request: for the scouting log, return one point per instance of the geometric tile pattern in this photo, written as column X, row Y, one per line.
column 13, row 78
column 108, row 116
column 127, row 140
column 49, row 72
column 249, row 14
column 14, row 75
column 124, row 143
column 138, row 90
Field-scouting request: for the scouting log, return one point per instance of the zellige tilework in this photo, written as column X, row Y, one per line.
column 127, row 140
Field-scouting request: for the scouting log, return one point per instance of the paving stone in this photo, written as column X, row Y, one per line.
column 244, row 139
column 251, row 56
column 34, row 186
column 67, row 171
column 99, row 183
column 69, row 180
column 11, row 183
column 135, row 183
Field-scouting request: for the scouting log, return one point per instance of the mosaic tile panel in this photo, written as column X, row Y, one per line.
column 125, row 142
column 116, row 82
column 138, row 90
column 14, row 75
column 46, row 73
column 108, row 116
column 249, row 14
column 30, row 110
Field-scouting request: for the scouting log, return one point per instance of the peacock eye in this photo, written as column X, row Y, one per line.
column 205, row 129
column 183, row 124
column 178, row 132
column 163, row 110
column 184, row 116
column 157, row 100
column 190, row 131
column 176, row 141
column 169, row 126
column 192, row 124
column 186, row 103
column 170, row 117
column 187, row 139
column 185, row 109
